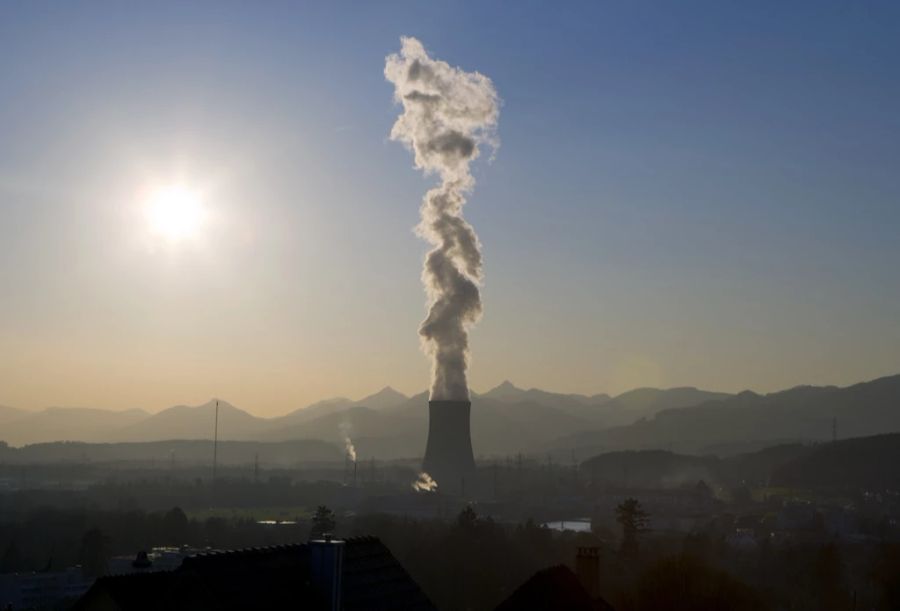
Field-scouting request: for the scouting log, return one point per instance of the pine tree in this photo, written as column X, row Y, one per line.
column 323, row 522
column 634, row 520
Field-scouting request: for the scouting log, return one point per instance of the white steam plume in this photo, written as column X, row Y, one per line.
column 447, row 114
column 424, row 483
column 345, row 427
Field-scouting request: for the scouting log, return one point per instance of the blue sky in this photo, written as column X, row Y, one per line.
column 699, row 193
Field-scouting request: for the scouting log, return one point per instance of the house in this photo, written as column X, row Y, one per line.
column 329, row 574
column 560, row 589
column 554, row 588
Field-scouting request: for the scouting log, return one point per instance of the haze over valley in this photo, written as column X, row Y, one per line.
column 506, row 420
column 263, row 265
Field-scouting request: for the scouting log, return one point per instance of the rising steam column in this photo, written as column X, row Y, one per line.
column 448, row 454
column 447, row 115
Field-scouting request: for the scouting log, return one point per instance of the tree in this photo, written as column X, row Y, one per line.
column 324, row 521
column 683, row 583
column 827, row 579
column 94, row 553
column 11, row 561
column 886, row 574
column 467, row 519
column 536, row 538
column 216, row 530
column 742, row 495
column 175, row 526
column 634, row 520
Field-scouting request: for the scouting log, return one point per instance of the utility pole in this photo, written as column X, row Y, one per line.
column 496, row 487
column 215, row 449
column 834, row 429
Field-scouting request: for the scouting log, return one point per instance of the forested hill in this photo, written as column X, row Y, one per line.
column 750, row 421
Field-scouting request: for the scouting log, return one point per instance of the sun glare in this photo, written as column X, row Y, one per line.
column 175, row 213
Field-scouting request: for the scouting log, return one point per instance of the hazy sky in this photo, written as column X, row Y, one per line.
column 699, row 193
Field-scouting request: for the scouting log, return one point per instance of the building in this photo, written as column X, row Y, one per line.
column 448, row 452
column 34, row 590
column 355, row 574
column 554, row 588
column 560, row 589
column 157, row 559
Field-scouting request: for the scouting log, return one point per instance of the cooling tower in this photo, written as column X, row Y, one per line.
column 448, row 454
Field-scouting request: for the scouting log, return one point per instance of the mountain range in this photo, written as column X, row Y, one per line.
column 749, row 421
column 507, row 420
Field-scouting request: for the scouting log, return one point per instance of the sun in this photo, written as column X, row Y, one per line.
column 175, row 213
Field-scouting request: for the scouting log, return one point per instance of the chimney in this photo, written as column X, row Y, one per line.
column 326, row 566
column 587, row 567
column 448, row 453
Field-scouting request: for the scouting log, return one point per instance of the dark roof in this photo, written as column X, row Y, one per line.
column 373, row 579
column 262, row 578
column 137, row 591
column 253, row 578
column 554, row 588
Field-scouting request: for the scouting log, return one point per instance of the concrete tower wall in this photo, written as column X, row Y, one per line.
column 448, row 455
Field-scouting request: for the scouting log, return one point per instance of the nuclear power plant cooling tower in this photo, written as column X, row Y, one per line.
column 448, row 454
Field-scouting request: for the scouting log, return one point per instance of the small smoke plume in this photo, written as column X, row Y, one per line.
column 447, row 114
column 424, row 483
column 345, row 427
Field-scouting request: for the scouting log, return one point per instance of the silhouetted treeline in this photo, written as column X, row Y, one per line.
column 274, row 489
column 56, row 538
column 864, row 463
column 176, row 452
column 474, row 562
column 871, row 463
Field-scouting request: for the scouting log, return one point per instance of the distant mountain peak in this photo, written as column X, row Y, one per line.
column 211, row 404
column 330, row 401
column 504, row 388
column 386, row 397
